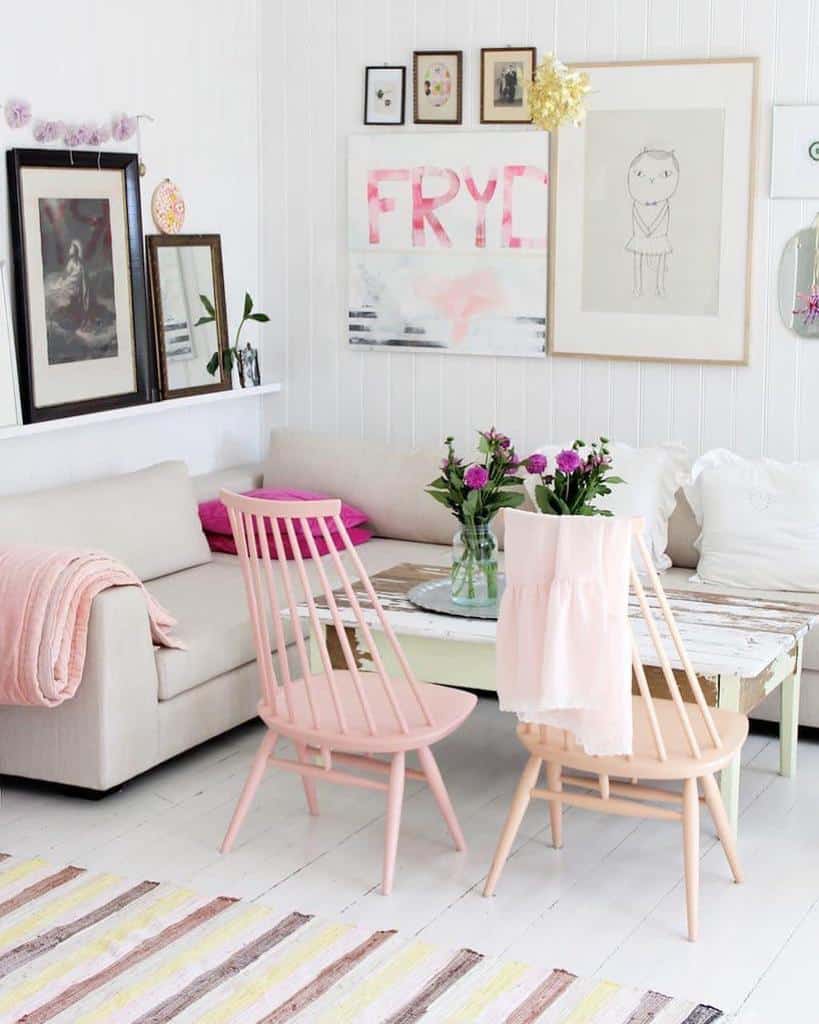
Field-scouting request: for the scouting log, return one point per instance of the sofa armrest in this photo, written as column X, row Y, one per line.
column 109, row 731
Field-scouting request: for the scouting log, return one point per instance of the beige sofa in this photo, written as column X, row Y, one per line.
column 138, row 706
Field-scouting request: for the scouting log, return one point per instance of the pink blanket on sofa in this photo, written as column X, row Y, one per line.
column 45, row 605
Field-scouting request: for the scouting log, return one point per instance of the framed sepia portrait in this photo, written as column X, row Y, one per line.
column 79, row 282
column 384, row 95
column 505, row 73
column 437, row 86
column 650, row 243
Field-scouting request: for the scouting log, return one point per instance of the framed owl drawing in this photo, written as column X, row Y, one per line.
column 650, row 222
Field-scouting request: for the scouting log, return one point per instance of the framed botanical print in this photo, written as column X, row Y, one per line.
column 505, row 73
column 384, row 95
column 651, row 213
column 437, row 86
column 80, row 301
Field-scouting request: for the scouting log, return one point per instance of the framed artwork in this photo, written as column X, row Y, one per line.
column 186, row 287
column 384, row 95
column 505, row 73
column 795, row 152
column 437, row 86
column 447, row 242
column 9, row 392
column 79, row 282
column 651, row 239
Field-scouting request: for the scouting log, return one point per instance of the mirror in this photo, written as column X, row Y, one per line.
column 187, row 286
column 799, row 282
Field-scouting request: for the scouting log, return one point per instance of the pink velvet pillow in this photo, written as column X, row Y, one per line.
column 216, row 524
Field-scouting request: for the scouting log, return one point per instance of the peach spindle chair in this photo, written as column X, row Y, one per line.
column 344, row 717
column 673, row 741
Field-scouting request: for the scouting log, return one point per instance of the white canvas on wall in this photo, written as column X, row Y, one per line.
column 9, row 390
column 795, row 152
column 651, row 230
column 447, row 242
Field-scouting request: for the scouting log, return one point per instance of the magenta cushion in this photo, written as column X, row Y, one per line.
column 216, row 524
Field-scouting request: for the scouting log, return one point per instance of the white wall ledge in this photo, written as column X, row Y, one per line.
column 150, row 409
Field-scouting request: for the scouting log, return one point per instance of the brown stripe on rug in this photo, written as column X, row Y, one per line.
column 157, row 942
column 48, row 940
column 223, row 972
column 36, row 889
column 648, row 1008
column 703, row 1014
column 463, row 962
column 547, row 992
column 325, row 979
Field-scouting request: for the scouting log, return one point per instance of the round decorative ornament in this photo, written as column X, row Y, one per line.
column 813, row 150
column 168, row 207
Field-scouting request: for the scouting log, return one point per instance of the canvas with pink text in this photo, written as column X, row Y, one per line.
column 448, row 242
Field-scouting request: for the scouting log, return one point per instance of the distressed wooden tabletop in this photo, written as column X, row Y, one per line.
column 722, row 634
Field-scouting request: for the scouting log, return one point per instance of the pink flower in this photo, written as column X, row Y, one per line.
column 123, row 127
column 96, row 135
column 18, row 113
column 536, row 463
column 568, row 461
column 75, row 135
column 48, row 131
column 476, row 478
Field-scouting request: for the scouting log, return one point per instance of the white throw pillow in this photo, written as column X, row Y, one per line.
column 652, row 478
column 758, row 521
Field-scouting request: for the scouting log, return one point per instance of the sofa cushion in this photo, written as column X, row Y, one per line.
column 210, row 605
column 146, row 519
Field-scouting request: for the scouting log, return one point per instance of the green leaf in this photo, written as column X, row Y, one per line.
column 228, row 359
column 442, row 498
column 440, row 484
column 262, row 318
column 203, row 320
column 615, row 480
column 208, row 306
column 511, row 500
column 248, row 306
column 213, row 364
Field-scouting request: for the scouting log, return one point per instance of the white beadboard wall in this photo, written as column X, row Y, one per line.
column 314, row 101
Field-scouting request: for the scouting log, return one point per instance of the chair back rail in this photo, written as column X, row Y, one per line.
column 277, row 588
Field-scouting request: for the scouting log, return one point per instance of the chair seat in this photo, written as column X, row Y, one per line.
column 448, row 708
column 548, row 743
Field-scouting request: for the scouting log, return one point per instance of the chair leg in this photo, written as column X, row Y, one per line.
column 436, row 784
column 254, row 777
column 395, row 798
column 520, row 801
column 555, row 785
column 691, row 855
column 713, row 798
column 309, row 784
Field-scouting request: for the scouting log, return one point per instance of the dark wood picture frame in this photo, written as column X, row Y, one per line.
column 485, row 51
column 213, row 242
column 459, row 76
column 17, row 160
column 385, row 67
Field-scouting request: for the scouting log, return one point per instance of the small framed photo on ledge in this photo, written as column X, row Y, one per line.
column 505, row 73
column 437, row 85
column 384, row 95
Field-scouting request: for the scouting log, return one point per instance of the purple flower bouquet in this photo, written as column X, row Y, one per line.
column 475, row 493
column 582, row 474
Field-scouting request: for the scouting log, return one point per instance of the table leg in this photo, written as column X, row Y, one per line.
column 789, row 717
column 729, row 696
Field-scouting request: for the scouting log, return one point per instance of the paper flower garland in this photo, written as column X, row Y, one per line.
column 556, row 95
column 121, row 127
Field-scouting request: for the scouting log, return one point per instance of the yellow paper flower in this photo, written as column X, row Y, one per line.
column 556, row 95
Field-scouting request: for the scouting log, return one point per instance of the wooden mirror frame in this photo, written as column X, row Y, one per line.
column 154, row 243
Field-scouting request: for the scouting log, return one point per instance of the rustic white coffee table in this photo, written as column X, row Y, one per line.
column 742, row 649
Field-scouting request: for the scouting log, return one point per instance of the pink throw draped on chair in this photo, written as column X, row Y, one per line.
column 563, row 644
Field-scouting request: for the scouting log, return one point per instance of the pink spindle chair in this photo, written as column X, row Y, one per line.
column 673, row 741
column 337, row 716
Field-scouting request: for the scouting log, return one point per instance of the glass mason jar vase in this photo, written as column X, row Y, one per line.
column 474, row 573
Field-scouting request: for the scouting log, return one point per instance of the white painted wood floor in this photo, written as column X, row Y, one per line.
column 609, row 903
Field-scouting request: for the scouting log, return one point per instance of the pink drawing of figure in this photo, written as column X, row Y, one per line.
column 461, row 299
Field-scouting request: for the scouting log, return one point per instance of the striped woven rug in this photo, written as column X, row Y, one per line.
column 83, row 948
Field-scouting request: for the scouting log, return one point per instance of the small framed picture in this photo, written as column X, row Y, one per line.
column 437, row 86
column 384, row 95
column 505, row 74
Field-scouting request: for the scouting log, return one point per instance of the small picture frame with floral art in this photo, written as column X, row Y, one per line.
column 437, row 86
column 384, row 94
